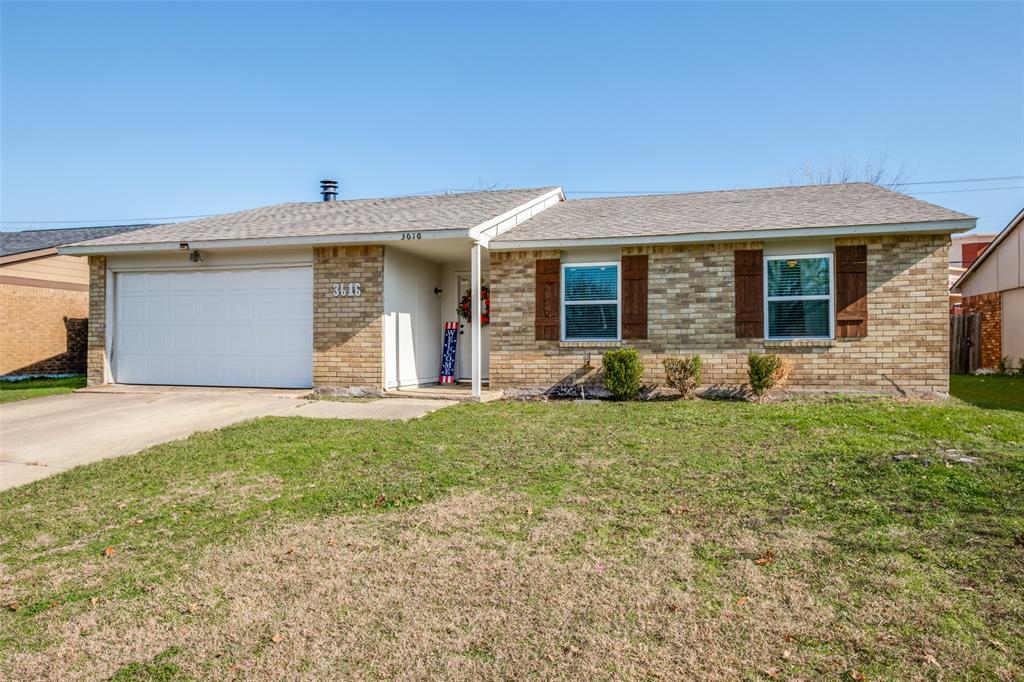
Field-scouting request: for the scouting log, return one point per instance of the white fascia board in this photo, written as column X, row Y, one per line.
column 213, row 244
column 479, row 233
column 941, row 227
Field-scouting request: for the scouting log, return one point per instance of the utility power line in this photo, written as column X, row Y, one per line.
column 977, row 189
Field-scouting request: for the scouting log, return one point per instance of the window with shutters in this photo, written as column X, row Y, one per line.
column 799, row 297
column 590, row 302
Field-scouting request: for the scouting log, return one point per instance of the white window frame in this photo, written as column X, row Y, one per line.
column 831, row 297
column 617, row 301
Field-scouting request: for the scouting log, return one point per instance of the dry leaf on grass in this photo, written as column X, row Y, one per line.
column 109, row 551
column 277, row 638
column 767, row 557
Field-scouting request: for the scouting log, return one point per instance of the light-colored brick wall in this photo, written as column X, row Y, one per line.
column 43, row 330
column 96, row 359
column 348, row 342
column 691, row 305
column 990, row 306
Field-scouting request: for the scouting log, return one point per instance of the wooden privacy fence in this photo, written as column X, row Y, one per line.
column 964, row 343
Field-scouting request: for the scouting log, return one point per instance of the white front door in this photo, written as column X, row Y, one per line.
column 465, row 346
column 214, row 327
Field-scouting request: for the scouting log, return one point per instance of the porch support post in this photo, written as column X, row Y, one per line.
column 474, row 281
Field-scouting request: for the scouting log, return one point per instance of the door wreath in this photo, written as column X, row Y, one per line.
column 466, row 308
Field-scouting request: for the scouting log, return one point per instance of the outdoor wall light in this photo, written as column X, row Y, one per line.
column 438, row 291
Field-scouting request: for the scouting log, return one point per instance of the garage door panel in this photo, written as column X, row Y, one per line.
column 158, row 311
column 215, row 328
column 184, row 311
column 211, row 311
column 158, row 282
column 240, row 310
column 156, row 340
column 132, row 311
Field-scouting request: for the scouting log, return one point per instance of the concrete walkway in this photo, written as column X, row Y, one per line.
column 44, row 436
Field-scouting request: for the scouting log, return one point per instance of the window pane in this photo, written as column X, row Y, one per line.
column 798, row 277
column 592, row 283
column 599, row 321
column 797, row 318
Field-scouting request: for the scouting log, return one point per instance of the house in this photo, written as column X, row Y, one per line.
column 848, row 281
column 964, row 249
column 44, row 299
column 994, row 286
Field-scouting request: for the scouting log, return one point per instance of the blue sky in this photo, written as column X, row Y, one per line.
column 141, row 110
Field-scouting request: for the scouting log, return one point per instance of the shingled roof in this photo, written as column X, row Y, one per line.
column 810, row 206
column 461, row 211
column 12, row 243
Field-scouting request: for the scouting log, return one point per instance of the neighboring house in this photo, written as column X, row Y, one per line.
column 963, row 251
column 848, row 281
column 994, row 286
column 44, row 301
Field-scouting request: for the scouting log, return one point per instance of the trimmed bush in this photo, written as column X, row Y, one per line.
column 623, row 372
column 766, row 371
column 683, row 374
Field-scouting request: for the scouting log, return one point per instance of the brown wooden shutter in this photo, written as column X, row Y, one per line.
column 749, row 273
column 548, row 300
column 851, row 291
column 634, row 297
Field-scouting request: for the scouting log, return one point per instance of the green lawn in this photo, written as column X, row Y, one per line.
column 818, row 539
column 11, row 391
column 992, row 391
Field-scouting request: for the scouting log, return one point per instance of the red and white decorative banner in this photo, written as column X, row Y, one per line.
column 451, row 340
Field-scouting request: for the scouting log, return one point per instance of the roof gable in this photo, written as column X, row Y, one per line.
column 989, row 250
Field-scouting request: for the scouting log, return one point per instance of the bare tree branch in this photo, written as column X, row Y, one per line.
column 844, row 170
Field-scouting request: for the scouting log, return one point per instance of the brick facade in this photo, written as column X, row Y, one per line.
column 990, row 306
column 348, row 342
column 691, row 310
column 43, row 330
column 96, row 360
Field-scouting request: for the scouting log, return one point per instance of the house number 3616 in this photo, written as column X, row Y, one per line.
column 349, row 289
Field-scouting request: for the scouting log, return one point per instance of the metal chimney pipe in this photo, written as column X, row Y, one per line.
column 329, row 189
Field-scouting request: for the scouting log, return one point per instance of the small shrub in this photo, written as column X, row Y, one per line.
column 1020, row 366
column 766, row 371
column 683, row 374
column 623, row 372
column 1004, row 365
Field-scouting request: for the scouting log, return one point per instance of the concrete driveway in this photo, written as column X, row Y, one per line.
column 44, row 436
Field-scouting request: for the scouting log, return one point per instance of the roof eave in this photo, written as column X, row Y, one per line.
column 934, row 227
column 28, row 255
column 266, row 242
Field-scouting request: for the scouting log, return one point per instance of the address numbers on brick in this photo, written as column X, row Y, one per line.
column 347, row 289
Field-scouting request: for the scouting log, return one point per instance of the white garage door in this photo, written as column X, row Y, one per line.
column 214, row 327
